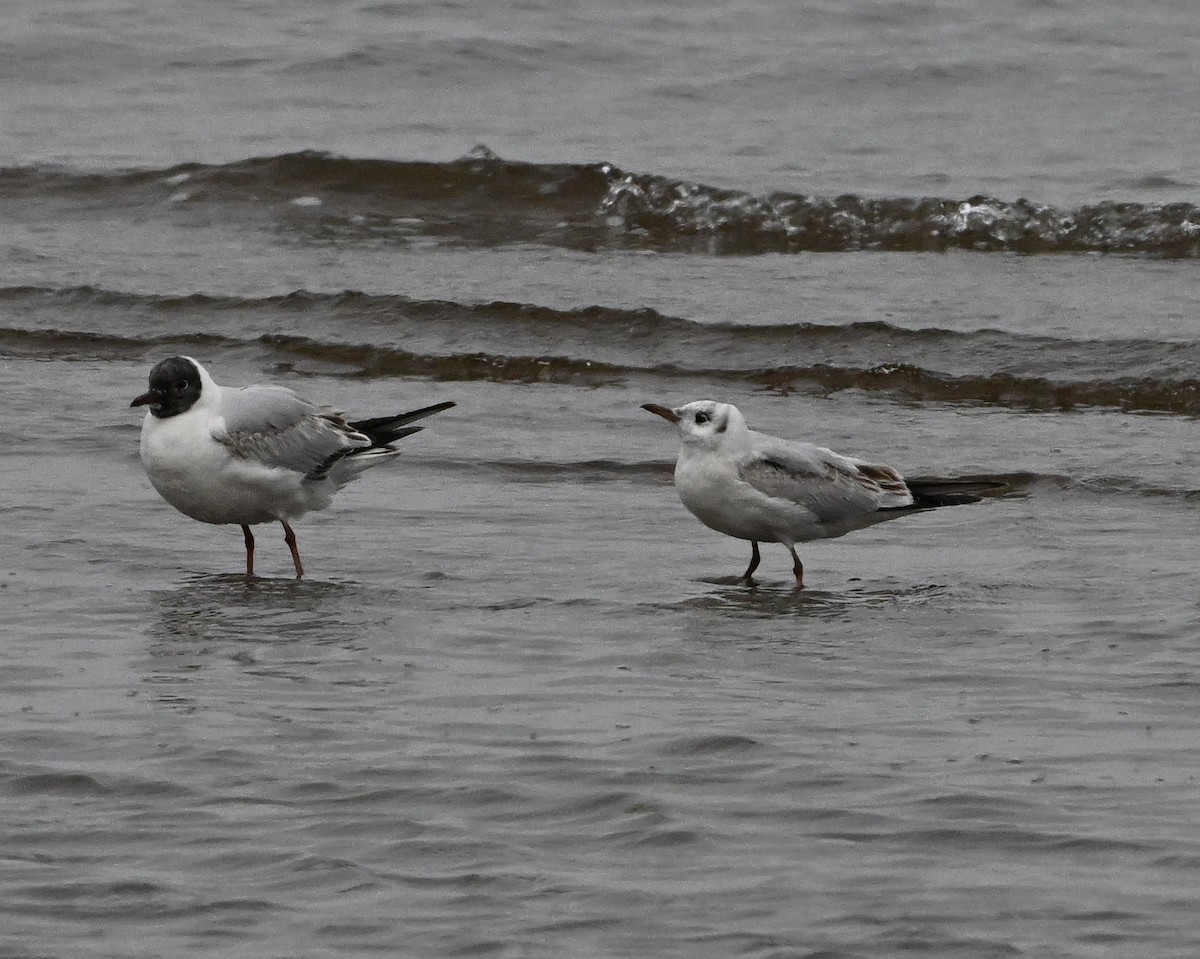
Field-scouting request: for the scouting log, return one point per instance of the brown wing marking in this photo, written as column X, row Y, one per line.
column 883, row 478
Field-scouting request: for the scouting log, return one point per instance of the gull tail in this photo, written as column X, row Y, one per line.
column 382, row 431
column 931, row 493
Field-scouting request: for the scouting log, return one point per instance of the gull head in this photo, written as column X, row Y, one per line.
column 175, row 386
column 705, row 423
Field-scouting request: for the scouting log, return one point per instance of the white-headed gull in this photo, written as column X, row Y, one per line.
column 255, row 454
column 758, row 487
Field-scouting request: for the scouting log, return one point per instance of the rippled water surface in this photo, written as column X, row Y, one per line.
column 521, row 705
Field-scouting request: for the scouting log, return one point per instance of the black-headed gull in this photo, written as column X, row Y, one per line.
column 758, row 487
column 255, row 454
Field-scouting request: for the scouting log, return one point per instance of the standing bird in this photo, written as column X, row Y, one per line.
column 254, row 454
column 765, row 489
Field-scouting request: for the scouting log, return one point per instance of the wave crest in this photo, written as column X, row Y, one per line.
column 484, row 200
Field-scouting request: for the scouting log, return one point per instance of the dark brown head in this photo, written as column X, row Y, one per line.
column 175, row 385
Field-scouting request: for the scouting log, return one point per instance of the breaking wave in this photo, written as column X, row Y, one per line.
column 484, row 200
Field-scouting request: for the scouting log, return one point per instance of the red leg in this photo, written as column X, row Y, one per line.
column 797, row 568
column 249, row 537
column 290, row 538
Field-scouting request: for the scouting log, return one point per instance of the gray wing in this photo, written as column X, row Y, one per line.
column 832, row 487
column 273, row 426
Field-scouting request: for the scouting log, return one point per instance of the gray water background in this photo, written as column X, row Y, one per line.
column 520, row 707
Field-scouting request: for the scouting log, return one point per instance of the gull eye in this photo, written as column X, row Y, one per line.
column 181, row 385
column 702, row 417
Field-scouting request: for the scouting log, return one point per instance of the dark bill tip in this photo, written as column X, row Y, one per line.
column 147, row 399
column 666, row 414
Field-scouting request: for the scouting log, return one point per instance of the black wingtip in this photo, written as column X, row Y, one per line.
column 387, row 429
column 400, row 419
column 955, row 492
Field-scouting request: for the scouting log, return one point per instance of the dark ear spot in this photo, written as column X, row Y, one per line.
column 723, row 425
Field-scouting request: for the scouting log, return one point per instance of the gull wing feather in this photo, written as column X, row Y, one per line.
column 273, row 426
column 831, row 486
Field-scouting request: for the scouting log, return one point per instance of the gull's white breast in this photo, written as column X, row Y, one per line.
column 709, row 486
column 202, row 479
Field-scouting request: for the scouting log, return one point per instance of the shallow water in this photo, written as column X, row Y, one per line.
column 521, row 705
